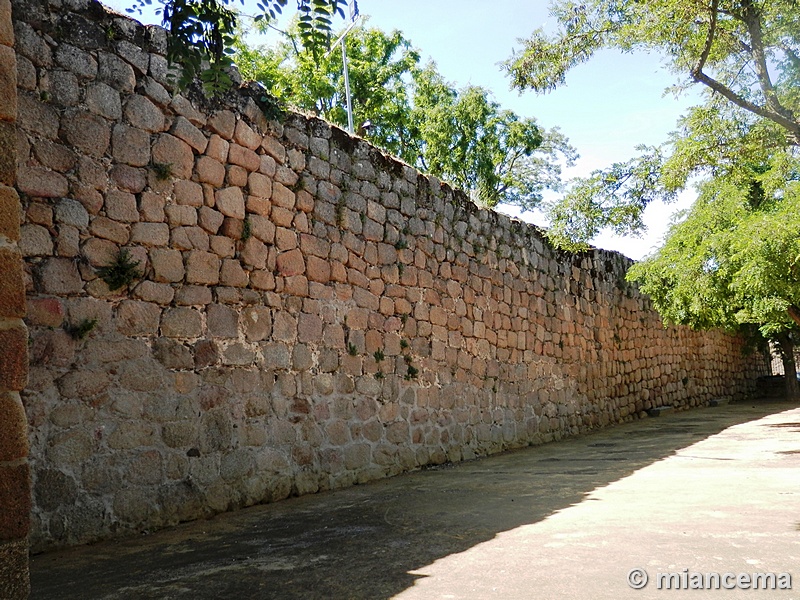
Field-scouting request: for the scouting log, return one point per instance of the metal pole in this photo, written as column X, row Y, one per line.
column 347, row 88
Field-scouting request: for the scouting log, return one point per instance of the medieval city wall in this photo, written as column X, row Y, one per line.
column 15, row 490
column 306, row 313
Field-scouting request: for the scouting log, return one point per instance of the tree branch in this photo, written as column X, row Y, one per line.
column 753, row 23
column 794, row 313
column 712, row 30
column 791, row 55
column 768, row 112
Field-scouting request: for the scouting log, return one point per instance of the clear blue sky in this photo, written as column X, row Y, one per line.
column 609, row 105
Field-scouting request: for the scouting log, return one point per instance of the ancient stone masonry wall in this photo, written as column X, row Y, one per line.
column 15, row 489
column 312, row 313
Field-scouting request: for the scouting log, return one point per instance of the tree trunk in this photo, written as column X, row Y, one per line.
column 789, row 367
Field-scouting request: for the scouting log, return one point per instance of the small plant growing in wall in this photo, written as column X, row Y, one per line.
column 351, row 349
column 121, row 272
column 401, row 244
column 411, row 372
column 401, row 268
column 247, row 229
column 403, row 344
column 79, row 331
column 163, row 171
column 378, row 356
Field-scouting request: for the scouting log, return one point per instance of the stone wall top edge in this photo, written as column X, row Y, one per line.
column 90, row 23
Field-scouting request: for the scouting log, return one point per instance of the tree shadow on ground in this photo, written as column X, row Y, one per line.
column 364, row 542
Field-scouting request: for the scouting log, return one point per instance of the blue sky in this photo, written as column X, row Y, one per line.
column 609, row 105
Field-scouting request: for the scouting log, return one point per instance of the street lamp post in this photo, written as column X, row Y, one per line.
column 353, row 18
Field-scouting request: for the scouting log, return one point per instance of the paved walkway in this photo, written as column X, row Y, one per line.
column 711, row 490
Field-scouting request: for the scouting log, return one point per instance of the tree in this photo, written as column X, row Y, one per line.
column 380, row 65
column 745, row 53
column 733, row 260
column 202, row 33
column 462, row 136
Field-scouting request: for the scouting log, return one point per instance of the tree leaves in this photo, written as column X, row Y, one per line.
column 202, row 34
column 462, row 136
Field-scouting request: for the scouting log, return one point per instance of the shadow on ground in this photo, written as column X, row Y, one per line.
column 363, row 542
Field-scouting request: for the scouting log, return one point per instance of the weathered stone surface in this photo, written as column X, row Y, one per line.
column 150, row 234
column 141, row 113
column 223, row 123
column 230, row 202
column 244, row 157
column 60, row 276
column 8, row 84
column 202, row 268
column 12, row 291
column 169, row 150
column 183, row 129
column 32, row 45
column 116, row 72
column 78, row 61
column 210, row 170
column 14, row 358
column 188, row 193
column 245, row 136
column 222, row 321
column 41, row 183
column 71, row 212
column 128, row 178
column 178, row 216
column 309, row 313
column 35, row 241
column 172, row 354
column 108, row 229
column 14, row 568
column 182, row 106
column 14, row 519
column 121, row 206
column 134, row 318
column 291, row 263
column 85, row 131
column 26, row 74
column 130, row 146
column 6, row 24
column 181, row 323
column 209, row 219
column 232, row 274
column 55, row 156
column 103, row 100
column 167, row 264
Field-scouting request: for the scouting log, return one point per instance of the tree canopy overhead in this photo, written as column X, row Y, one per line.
column 461, row 135
column 202, row 32
column 734, row 258
column 747, row 51
column 745, row 54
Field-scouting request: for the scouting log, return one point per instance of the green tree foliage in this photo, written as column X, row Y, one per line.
column 734, row 259
column 202, row 33
column 462, row 136
column 379, row 64
column 745, row 53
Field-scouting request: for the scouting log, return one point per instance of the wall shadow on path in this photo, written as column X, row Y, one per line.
column 364, row 541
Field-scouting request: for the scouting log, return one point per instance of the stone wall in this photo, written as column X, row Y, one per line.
column 15, row 490
column 311, row 313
